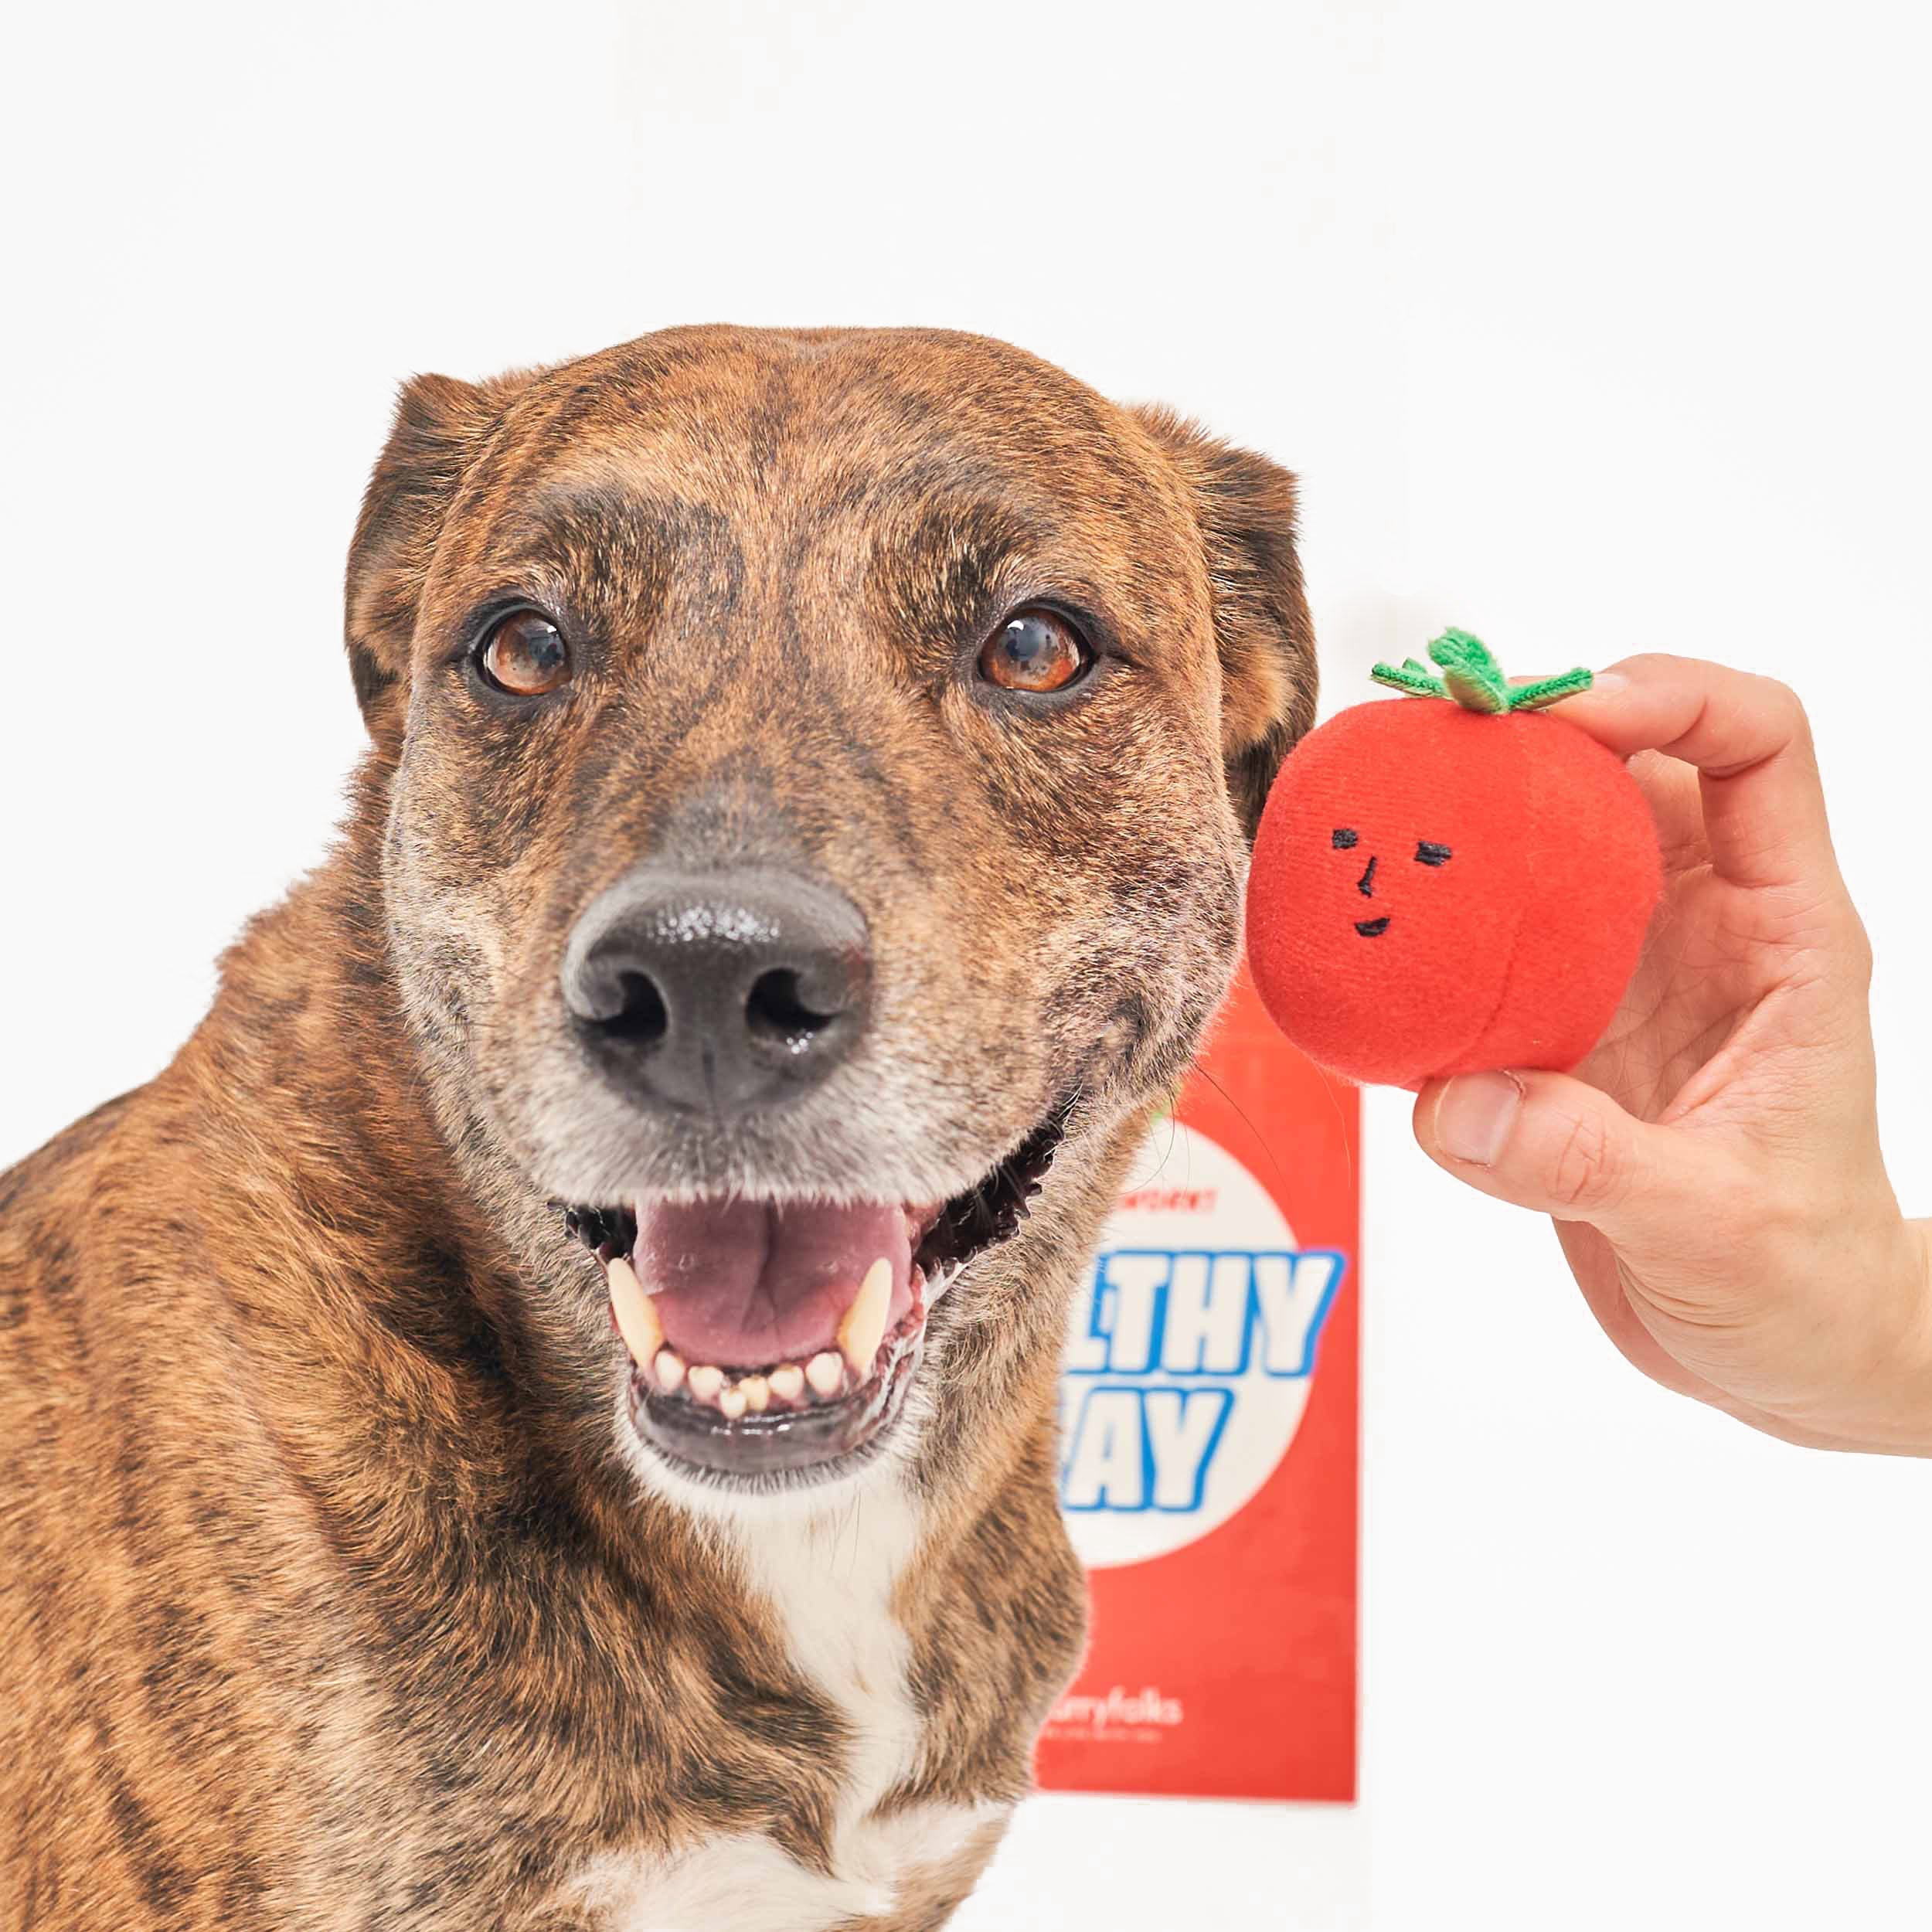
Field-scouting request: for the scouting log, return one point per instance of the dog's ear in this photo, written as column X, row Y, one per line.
column 439, row 425
column 1245, row 506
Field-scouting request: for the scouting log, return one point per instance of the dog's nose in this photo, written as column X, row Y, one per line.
column 717, row 992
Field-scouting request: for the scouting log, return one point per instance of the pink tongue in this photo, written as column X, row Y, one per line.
column 744, row 1285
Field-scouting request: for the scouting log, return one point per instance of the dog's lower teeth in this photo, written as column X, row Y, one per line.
column 757, row 1391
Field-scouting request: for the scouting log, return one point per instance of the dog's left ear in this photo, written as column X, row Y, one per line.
column 1245, row 508
column 439, row 425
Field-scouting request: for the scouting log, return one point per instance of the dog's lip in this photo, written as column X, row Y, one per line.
column 797, row 1420
column 757, row 1423
column 1372, row 928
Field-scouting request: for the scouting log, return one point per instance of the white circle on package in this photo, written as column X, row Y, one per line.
column 1189, row 1354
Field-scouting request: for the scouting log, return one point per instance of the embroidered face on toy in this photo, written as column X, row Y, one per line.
column 1438, row 888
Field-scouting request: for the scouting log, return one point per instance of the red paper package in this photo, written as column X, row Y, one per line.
column 1209, row 1443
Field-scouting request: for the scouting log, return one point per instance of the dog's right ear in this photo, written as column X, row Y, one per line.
column 439, row 425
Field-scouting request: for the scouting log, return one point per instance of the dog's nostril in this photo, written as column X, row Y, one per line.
column 776, row 1009
column 641, row 1014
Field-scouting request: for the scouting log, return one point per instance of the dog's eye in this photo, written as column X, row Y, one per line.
column 1428, row 853
column 524, row 654
column 1035, row 650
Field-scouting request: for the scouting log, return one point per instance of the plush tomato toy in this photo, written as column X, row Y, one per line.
column 1455, row 881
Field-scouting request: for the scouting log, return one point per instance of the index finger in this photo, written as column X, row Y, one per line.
column 1751, row 743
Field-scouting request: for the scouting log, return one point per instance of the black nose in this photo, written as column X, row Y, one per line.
column 717, row 992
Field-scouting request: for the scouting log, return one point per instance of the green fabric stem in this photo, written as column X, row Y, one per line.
column 1473, row 678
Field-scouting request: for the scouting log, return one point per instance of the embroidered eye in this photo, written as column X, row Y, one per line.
column 1036, row 649
column 1343, row 838
column 1429, row 855
column 524, row 654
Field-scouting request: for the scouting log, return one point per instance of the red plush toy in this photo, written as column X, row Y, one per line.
column 1455, row 882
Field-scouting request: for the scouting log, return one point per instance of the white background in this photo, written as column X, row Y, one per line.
column 1591, row 328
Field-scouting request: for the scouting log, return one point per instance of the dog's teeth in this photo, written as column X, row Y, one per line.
column 733, row 1401
column 704, row 1381
column 757, row 1391
column 787, row 1383
column 670, row 1369
column 826, row 1373
column 864, row 1327
column 636, row 1320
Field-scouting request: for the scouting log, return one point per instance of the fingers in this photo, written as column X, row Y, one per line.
column 1672, row 792
column 1749, row 738
column 1552, row 1143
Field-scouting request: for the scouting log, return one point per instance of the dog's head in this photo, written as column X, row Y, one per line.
column 822, row 767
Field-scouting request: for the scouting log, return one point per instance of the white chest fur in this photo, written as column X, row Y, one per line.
column 830, row 1579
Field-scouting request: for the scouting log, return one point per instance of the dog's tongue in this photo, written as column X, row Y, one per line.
column 746, row 1284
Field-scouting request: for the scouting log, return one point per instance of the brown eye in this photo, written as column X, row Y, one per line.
column 1035, row 650
column 524, row 654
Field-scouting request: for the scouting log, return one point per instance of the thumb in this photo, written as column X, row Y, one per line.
column 1549, row 1142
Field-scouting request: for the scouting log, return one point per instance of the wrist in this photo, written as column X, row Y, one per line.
column 1891, row 1413
column 1878, row 1398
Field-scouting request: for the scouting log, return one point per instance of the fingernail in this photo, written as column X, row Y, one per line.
column 1608, row 680
column 1475, row 1115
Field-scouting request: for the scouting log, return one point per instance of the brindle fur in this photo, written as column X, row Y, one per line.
column 331, row 1595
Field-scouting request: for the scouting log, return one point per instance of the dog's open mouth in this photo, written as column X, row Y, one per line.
column 778, row 1338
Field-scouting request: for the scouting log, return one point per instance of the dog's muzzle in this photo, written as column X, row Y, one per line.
column 771, row 1339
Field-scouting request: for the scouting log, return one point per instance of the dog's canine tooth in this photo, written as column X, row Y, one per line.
column 826, row 1373
column 864, row 1327
column 669, row 1366
column 787, row 1382
column 637, row 1319
column 733, row 1402
column 757, row 1391
column 704, row 1381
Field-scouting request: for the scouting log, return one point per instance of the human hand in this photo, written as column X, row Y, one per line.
column 1713, row 1167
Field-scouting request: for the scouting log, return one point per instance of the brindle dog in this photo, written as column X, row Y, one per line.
column 803, row 830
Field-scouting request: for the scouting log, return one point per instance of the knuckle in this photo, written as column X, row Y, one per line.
column 1780, row 713
column 1859, row 959
column 1791, row 721
column 1650, row 667
column 1588, row 1173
